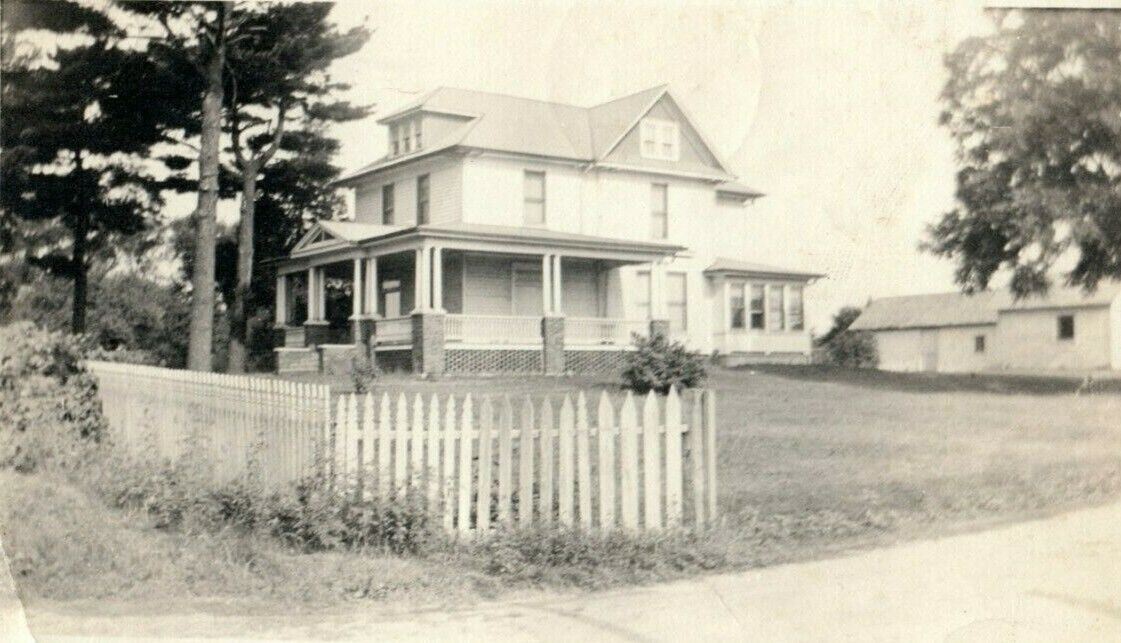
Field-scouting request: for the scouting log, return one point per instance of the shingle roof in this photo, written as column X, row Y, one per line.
column 959, row 309
column 735, row 266
column 527, row 126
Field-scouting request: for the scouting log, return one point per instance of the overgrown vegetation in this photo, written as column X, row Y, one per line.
column 853, row 348
column 658, row 364
column 65, row 470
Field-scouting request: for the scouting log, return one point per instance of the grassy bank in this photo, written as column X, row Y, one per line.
column 810, row 463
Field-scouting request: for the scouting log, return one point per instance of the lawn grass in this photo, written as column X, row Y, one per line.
column 811, row 462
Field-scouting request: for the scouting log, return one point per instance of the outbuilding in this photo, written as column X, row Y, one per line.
column 1065, row 330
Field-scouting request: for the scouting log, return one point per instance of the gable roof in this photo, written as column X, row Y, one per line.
column 960, row 309
column 503, row 123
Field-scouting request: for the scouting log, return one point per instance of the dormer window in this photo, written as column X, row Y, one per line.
column 660, row 139
column 404, row 136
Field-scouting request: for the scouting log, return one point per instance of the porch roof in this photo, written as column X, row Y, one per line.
column 737, row 268
column 343, row 239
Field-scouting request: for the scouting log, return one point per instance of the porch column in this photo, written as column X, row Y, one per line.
column 281, row 313
column 371, row 298
column 546, row 283
column 311, row 307
column 420, row 281
column 556, row 286
column 438, row 278
column 316, row 330
column 356, row 290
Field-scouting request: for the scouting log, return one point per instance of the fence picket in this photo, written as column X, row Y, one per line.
column 486, row 424
column 583, row 463
column 628, row 463
column 400, row 445
column 505, row 459
column 463, row 512
column 565, row 478
column 352, row 434
column 416, row 442
column 384, row 438
column 673, row 459
column 607, row 470
column 525, row 464
column 545, row 498
column 432, row 454
column 651, row 464
column 368, row 440
column 447, row 465
column 338, row 440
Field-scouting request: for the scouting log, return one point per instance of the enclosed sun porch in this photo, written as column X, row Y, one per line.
column 458, row 297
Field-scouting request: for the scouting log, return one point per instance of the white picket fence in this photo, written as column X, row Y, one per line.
column 647, row 463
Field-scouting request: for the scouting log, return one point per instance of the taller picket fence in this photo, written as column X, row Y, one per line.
column 476, row 461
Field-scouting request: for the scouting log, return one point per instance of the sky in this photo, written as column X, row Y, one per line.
column 829, row 109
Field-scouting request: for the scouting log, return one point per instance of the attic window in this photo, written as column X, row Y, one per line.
column 661, row 139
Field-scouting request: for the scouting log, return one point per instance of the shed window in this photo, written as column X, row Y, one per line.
column 1066, row 326
column 979, row 344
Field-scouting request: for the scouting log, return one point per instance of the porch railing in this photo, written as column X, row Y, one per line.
column 492, row 329
column 395, row 330
column 600, row 331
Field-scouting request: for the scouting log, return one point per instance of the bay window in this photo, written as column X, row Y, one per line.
column 794, row 309
column 758, row 310
column 776, row 312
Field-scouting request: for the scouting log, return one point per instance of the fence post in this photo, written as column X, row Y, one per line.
column 710, row 452
column 696, row 458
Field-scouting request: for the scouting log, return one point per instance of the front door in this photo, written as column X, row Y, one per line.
column 527, row 290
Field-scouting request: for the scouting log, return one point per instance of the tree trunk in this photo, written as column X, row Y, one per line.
column 78, row 266
column 239, row 311
column 200, row 346
column 78, row 253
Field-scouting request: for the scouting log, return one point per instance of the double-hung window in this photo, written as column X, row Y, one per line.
column 534, row 195
column 659, row 214
column 659, row 139
column 676, row 301
column 387, row 204
column 422, row 199
column 395, row 140
column 758, row 306
column 1066, row 327
column 642, row 294
column 777, row 318
column 735, row 308
column 794, row 309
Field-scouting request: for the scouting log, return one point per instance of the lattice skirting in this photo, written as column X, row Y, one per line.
column 594, row 362
column 479, row 360
column 394, row 361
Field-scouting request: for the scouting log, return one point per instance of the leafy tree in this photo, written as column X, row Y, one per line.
column 77, row 123
column 1035, row 109
column 841, row 322
column 280, row 97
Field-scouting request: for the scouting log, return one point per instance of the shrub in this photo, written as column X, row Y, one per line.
column 363, row 373
column 852, row 348
column 48, row 403
column 657, row 364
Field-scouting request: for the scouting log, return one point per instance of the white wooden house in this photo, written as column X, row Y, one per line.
column 503, row 234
